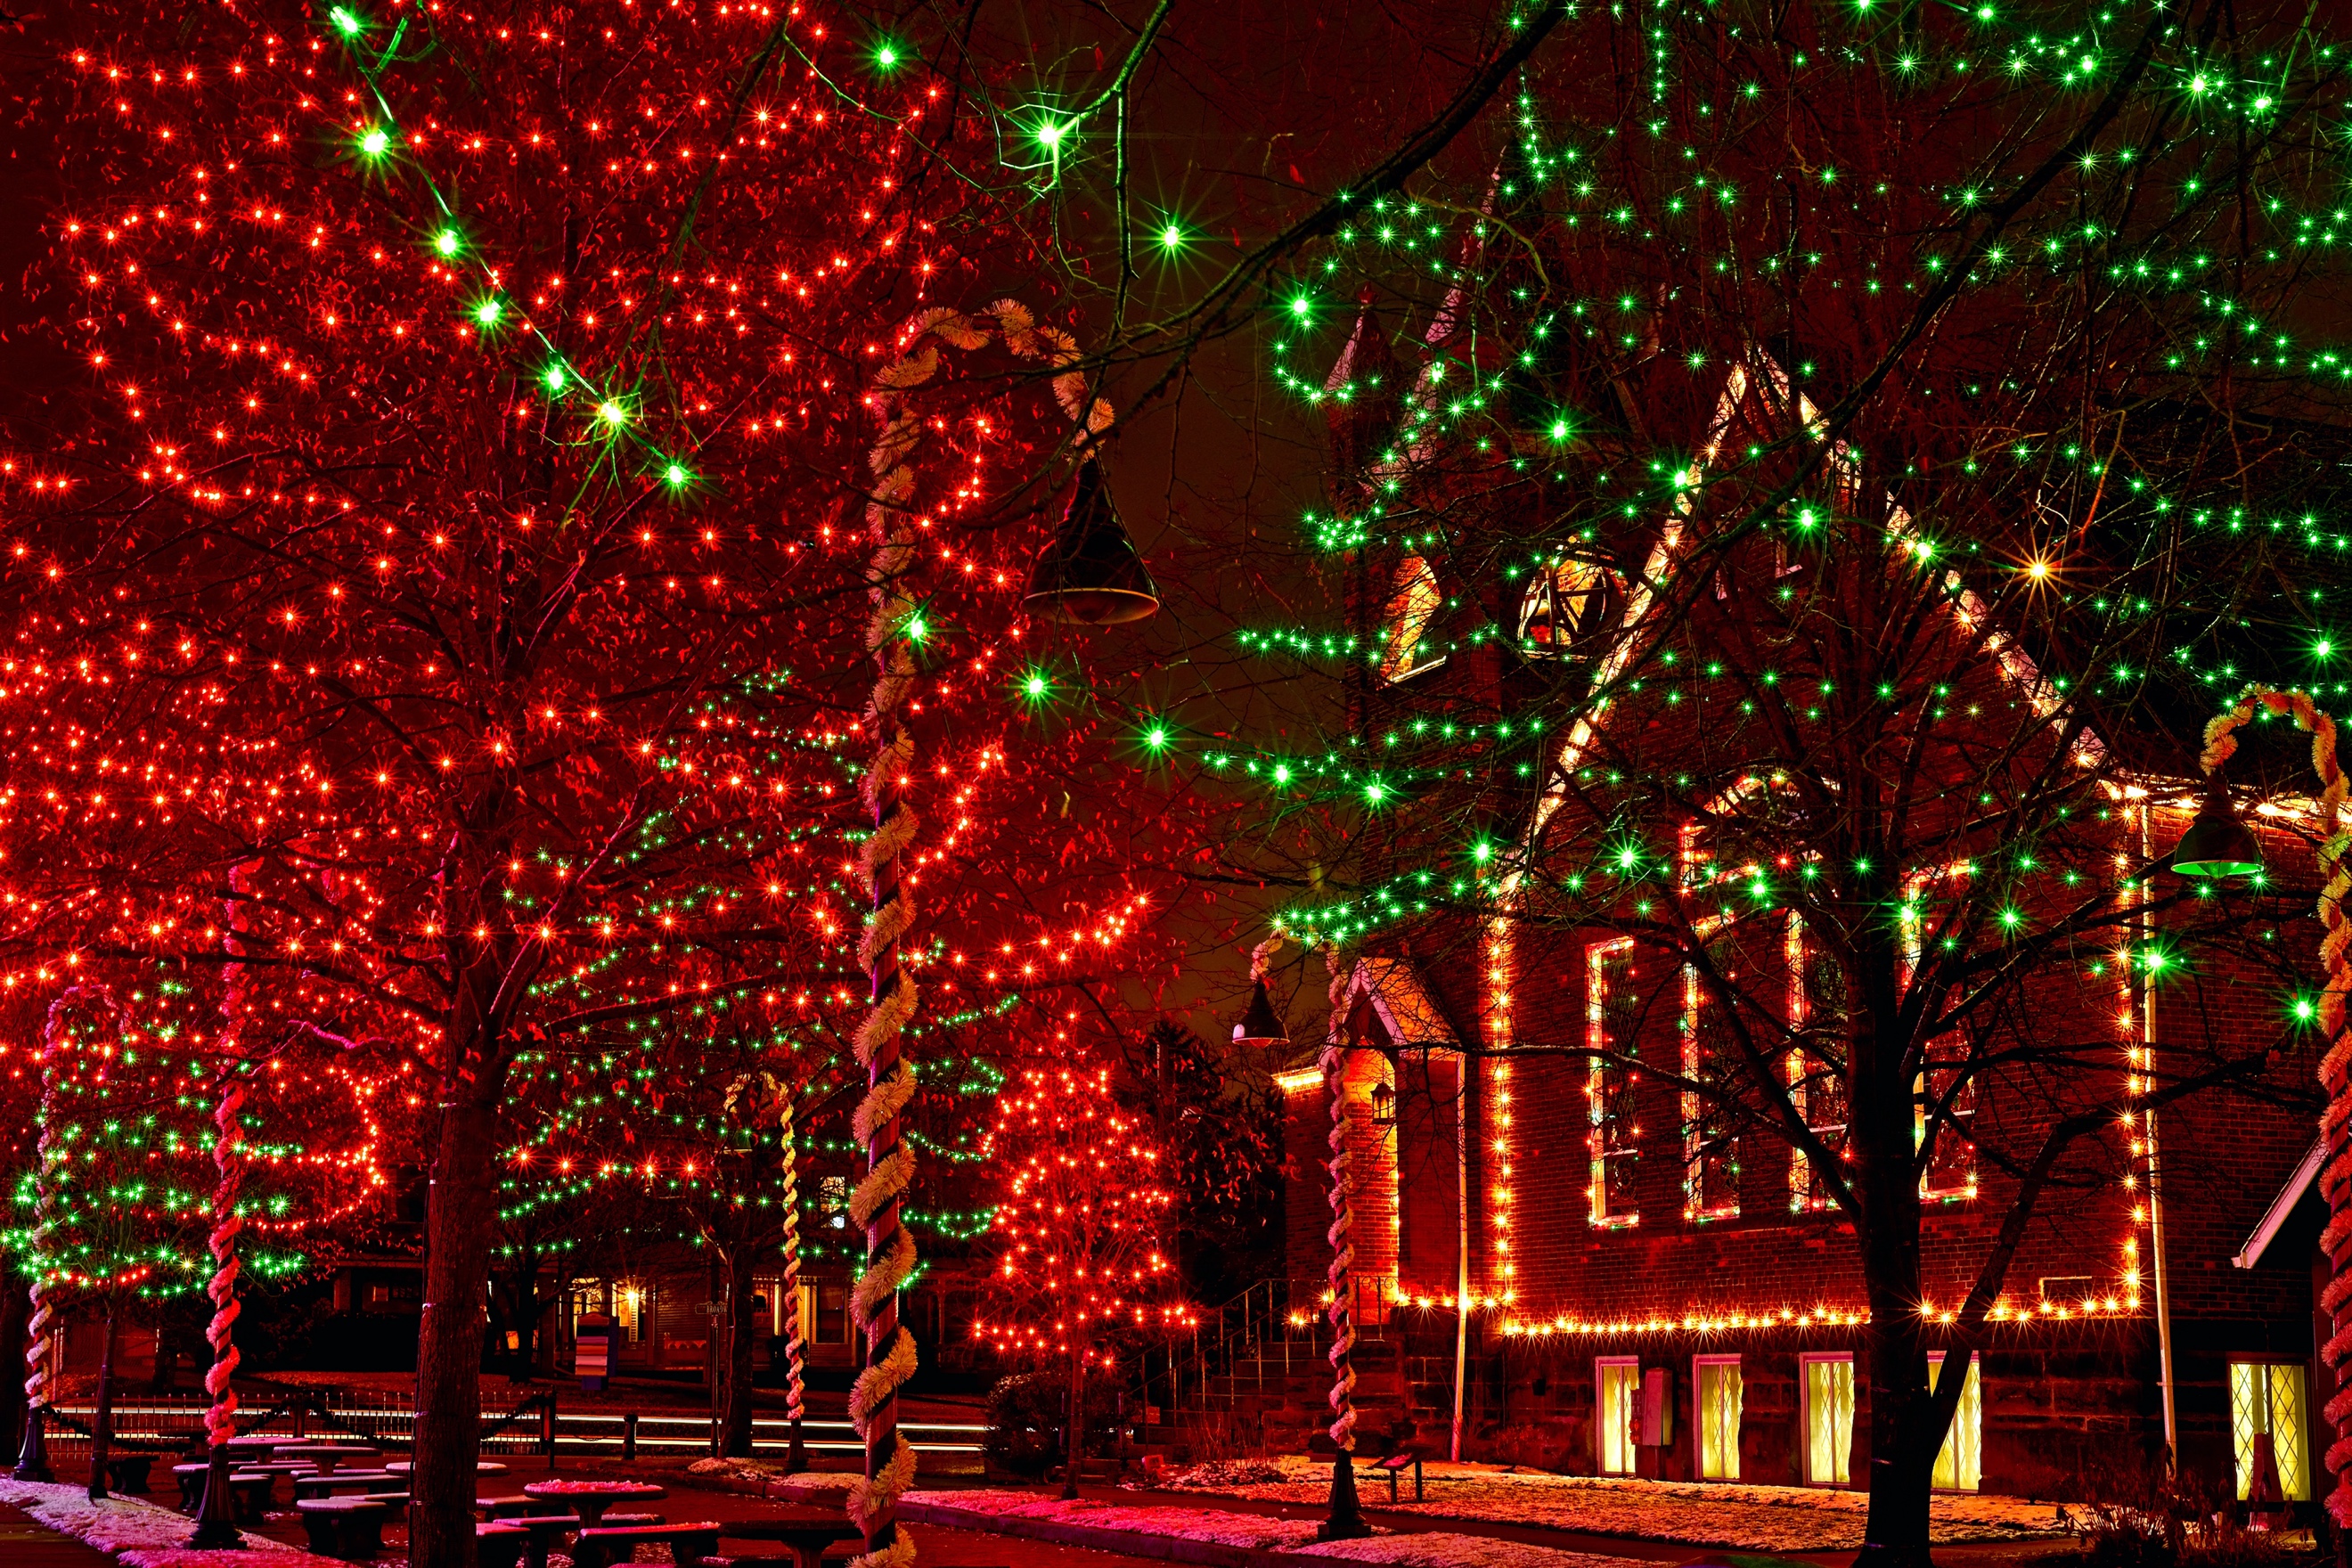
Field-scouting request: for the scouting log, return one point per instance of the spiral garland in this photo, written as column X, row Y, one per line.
column 1343, row 1248
column 228, row 1165
column 37, row 1328
column 793, row 1345
column 2335, row 1067
column 1345, row 1521
column 45, row 1221
column 889, row 1079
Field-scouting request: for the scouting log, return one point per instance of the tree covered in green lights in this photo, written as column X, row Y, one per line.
column 1795, row 498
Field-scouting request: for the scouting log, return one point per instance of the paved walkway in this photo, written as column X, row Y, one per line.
column 24, row 1544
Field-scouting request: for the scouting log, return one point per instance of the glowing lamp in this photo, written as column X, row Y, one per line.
column 1260, row 1026
column 2217, row 845
column 1383, row 1105
column 1091, row 574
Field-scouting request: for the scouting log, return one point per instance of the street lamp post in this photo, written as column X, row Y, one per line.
column 2218, row 848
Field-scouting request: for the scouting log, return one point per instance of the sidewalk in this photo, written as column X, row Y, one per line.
column 1728, row 1515
column 26, row 1543
column 1217, row 1538
column 1645, row 1529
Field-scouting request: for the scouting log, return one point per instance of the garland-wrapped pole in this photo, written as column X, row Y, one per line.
column 1345, row 1519
column 889, row 1079
column 796, row 1459
column 32, row 1457
column 2335, row 1067
column 216, row 1527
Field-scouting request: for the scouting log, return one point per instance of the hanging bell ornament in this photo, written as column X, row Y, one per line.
column 1260, row 1028
column 1090, row 575
column 2217, row 847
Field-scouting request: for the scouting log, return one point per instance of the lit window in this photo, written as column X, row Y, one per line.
column 2266, row 1413
column 1412, row 605
column 1612, row 1012
column 1947, row 1092
column 1711, row 1055
column 1829, row 1419
column 1959, row 1463
column 633, row 1309
column 1563, row 605
column 1816, row 1074
column 1618, row 1384
column 1718, row 1417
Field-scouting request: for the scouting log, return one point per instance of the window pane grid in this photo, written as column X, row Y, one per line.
column 1959, row 1463
column 1719, row 1420
column 2266, row 1400
column 1829, row 1420
column 1613, row 1418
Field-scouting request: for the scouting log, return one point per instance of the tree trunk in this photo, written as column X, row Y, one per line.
column 1077, row 1432
column 735, row 1409
column 1902, row 1447
column 15, row 1310
column 459, row 1218
column 101, row 1425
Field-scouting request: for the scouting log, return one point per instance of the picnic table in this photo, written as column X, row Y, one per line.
column 481, row 1467
column 804, row 1535
column 542, row 1530
column 324, row 1455
column 348, row 1528
column 323, row 1484
column 249, row 1495
column 590, row 1499
column 688, row 1543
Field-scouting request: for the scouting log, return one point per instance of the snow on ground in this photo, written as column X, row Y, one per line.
column 1431, row 1549
column 1712, row 1513
column 141, row 1534
column 1434, row 1550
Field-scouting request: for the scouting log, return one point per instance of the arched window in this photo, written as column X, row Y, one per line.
column 1563, row 605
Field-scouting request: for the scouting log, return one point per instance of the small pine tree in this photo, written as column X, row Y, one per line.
column 1081, row 1217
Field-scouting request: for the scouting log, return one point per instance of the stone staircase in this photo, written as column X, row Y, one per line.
column 1275, row 1402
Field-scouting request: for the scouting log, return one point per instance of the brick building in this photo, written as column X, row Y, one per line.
column 1619, row 1243
column 1752, row 1311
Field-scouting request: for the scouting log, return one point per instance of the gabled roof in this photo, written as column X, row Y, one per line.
column 2281, row 1206
column 1407, row 1014
column 1637, row 625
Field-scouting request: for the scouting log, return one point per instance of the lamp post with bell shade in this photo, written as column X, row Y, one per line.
column 1090, row 574
column 2219, row 848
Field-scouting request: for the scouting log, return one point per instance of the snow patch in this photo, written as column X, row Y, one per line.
column 1699, row 1513
column 1431, row 1549
column 1435, row 1551
column 141, row 1534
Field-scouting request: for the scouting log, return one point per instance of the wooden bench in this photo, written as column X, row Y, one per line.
column 250, row 1493
column 687, row 1543
column 1395, row 1465
column 348, row 1527
column 497, row 1545
column 192, row 1485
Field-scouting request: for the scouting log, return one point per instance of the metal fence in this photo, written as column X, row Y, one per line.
column 538, row 1424
column 1256, row 1340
